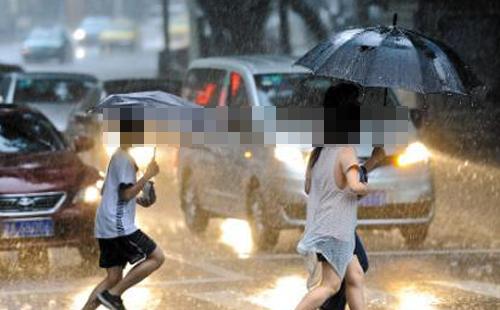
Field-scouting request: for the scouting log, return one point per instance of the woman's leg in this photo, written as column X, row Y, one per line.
column 113, row 277
column 330, row 284
column 355, row 285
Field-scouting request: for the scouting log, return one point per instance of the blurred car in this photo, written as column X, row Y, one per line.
column 48, row 197
column 44, row 44
column 90, row 29
column 9, row 68
column 57, row 95
column 265, row 184
column 120, row 33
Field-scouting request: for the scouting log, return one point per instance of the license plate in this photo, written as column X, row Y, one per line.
column 374, row 199
column 27, row 228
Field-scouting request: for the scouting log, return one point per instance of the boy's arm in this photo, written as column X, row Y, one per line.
column 129, row 192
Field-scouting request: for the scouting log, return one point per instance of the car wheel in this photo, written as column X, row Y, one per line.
column 415, row 235
column 264, row 236
column 195, row 217
column 89, row 251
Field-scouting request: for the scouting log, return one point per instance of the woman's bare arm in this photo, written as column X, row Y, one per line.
column 350, row 168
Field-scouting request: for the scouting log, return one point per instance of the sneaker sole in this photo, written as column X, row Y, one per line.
column 106, row 303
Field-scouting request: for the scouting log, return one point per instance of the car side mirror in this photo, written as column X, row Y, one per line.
column 83, row 143
column 417, row 117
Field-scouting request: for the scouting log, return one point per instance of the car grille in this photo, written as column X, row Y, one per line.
column 30, row 203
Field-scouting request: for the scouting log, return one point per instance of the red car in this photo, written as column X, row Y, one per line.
column 48, row 197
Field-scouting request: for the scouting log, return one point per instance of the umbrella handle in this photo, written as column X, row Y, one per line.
column 385, row 96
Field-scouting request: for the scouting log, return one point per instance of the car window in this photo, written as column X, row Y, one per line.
column 28, row 133
column 205, row 87
column 4, row 87
column 305, row 90
column 237, row 95
column 39, row 90
column 290, row 89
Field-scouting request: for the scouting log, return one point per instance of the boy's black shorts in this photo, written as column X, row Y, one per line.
column 118, row 251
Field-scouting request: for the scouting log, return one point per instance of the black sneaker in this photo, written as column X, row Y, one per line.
column 110, row 301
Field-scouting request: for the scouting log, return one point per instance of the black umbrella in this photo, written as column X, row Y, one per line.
column 390, row 57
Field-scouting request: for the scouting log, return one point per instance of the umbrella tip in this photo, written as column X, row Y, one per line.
column 395, row 19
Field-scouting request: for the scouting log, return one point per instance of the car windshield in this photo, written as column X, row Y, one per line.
column 46, row 36
column 27, row 133
column 51, row 90
column 305, row 90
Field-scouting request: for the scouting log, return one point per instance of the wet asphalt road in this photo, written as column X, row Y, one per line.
column 457, row 268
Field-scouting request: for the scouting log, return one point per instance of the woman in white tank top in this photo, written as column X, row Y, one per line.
column 334, row 187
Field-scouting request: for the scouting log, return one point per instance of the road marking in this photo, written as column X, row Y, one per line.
column 476, row 287
column 226, row 298
column 430, row 252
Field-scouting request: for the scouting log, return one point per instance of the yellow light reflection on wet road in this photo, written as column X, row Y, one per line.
column 413, row 299
column 285, row 294
column 80, row 298
column 237, row 234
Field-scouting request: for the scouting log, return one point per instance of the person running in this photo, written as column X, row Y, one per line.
column 334, row 186
column 120, row 241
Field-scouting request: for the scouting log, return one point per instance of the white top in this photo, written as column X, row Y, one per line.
column 114, row 217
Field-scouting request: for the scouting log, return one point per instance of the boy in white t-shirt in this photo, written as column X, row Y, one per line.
column 120, row 241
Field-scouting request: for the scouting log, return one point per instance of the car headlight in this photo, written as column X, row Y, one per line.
column 79, row 34
column 89, row 194
column 291, row 156
column 414, row 153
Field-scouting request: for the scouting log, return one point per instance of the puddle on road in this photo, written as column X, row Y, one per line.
column 285, row 294
column 238, row 235
column 410, row 298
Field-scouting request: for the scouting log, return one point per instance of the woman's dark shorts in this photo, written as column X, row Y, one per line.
column 131, row 249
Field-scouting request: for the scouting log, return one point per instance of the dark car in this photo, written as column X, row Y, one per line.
column 48, row 197
column 9, row 68
column 44, row 44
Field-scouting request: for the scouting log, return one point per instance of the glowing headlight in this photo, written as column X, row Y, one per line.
column 414, row 153
column 141, row 154
column 89, row 194
column 290, row 155
column 79, row 34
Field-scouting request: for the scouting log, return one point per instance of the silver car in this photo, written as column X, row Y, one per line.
column 59, row 96
column 265, row 184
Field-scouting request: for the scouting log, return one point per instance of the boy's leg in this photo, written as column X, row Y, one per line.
column 139, row 272
column 114, row 275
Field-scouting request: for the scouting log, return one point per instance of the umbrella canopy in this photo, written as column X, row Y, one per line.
column 390, row 57
column 149, row 99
